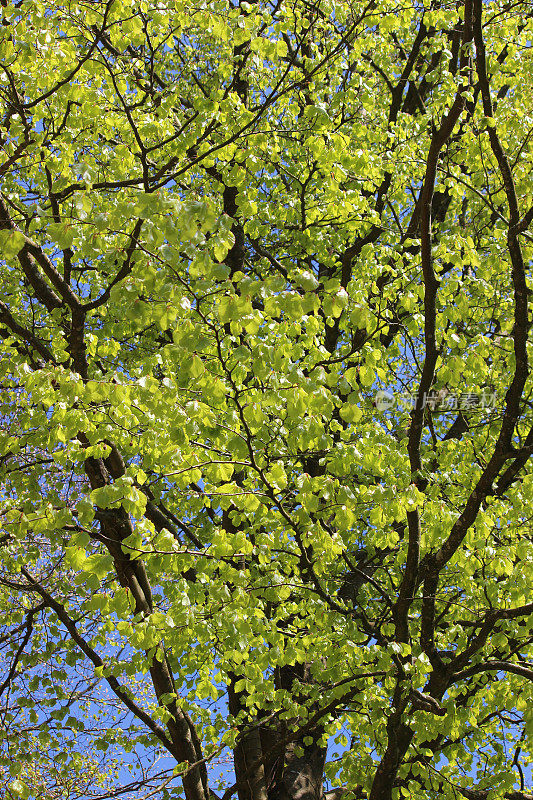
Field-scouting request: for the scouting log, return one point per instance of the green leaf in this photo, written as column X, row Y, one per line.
column 19, row 789
column 98, row 565
column 11, row 243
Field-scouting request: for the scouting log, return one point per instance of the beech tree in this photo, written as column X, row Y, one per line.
column 266, row 410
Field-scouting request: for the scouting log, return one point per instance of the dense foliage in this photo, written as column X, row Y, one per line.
column 224, row 229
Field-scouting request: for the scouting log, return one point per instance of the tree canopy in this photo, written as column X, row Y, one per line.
column 266, row 415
